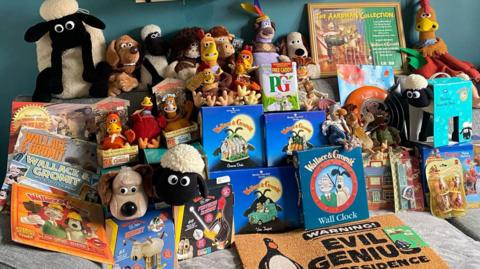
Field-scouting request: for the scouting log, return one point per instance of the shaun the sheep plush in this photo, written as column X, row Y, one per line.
column 180, row 176
column 69, row 44
column 155, row 63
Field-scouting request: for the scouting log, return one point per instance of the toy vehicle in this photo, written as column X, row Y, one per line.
column 269, row 213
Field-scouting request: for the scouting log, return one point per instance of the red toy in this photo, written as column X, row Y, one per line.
column 115, row 139
column 146, row 127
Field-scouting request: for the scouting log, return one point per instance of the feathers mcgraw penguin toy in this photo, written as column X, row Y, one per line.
column 181, row 176
column 69, row 44
column 274, row 259
column 155, row 63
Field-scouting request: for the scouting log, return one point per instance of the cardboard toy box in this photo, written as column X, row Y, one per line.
column 203, row 226
column 279, row 86
column 332, row 186
column 463, row 152
column 378, row 178
column 292, row 131
column 232, row 136
column 145, row 243
column 266, row 199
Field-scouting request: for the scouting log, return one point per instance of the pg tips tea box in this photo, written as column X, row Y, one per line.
column 292, row 131
column 279, row 86
column 332, row 186
column 266, row 199
column 232, row 136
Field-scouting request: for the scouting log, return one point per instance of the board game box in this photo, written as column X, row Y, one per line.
column 266, row 198
column 206, row 225
column 145, row 243
column 291, row 131
column 332, row 186
column 279, row 86
column 232, row 136
column 59, row 223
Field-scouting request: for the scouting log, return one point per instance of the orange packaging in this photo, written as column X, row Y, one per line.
column 59, row 223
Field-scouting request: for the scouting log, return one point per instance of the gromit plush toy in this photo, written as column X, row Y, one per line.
column 119, row 73
column 226, row 51
column 126, row 192
column 181, row 176
column 294, row 45
column 69, row 44
column 186, row 50
column 155, row 63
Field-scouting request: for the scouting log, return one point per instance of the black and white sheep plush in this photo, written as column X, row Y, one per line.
column 69, row 44
column 181, row 176
column 155, row 62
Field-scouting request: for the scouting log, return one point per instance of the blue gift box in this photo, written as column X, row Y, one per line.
column 332, row 186
column 266, row 199
column 292, row 131
column 232, row 136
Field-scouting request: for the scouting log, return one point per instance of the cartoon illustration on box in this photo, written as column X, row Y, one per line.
column 332, row 186
column 279, row 86
column 298, row 139
column 263, row 209
column 234, row 147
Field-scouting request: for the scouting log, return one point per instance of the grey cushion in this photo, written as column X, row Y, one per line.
column 469, row 224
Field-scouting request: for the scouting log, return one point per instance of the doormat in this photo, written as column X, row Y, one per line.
column 380, row 242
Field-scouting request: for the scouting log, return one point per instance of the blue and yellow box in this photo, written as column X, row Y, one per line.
column 146, row 242
column 292, row 131
column 232, row 136
column 266, row 199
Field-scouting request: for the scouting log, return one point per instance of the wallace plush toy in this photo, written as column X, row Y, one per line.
column 147, row 128
column 186, row 50
column 431, row 55
column 226, row 51
column 264, row 51
column 181, row 176
column 155, row 63
column 69, row 44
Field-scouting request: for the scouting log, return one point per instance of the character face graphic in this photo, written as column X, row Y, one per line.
column 325, row 184
column 54, row 214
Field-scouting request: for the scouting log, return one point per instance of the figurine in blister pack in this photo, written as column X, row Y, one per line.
column 116, row 138
column 147, row 128
column 174, row 118
column 447, row 192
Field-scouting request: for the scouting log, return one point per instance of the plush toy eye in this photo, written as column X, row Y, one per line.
column 298, row 41
column 426, row 15
column 185, row 181
column 155, row 35
column 124, row 190
column 194, row 45
column 409, row 94
column 416, row 95
column 123, row 45
column 59, row 28
column 133, row 189
column 172, row 180
column 130, row 45
column 207, row 45
column 69, row 25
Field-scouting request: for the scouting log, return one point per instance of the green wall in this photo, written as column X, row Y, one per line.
column 18, row 63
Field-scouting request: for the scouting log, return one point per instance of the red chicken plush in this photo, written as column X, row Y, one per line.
column 147, row 127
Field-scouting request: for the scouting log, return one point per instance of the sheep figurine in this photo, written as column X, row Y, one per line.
column 69, row 45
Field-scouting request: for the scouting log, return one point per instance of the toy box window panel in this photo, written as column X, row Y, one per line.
column 356, row 33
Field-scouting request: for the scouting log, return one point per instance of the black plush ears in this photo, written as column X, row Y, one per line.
column 36, row 32
column 91, row 20
column 202, row 185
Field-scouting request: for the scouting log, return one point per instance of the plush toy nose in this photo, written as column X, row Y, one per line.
column 128, row 209
column 134, row 50
column 299, row 52
column 268, row 31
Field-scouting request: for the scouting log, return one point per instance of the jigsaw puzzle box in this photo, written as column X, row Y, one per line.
column 291, row 131
column 232, row 136
column 266, row 199
column 332, row 186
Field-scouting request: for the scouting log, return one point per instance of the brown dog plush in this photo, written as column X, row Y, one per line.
column 126, row 192
column 226, row 51
column 123, row 55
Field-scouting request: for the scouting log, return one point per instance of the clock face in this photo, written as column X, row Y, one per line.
column 197, row 234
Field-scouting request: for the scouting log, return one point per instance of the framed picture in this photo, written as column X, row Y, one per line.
column 356, row 33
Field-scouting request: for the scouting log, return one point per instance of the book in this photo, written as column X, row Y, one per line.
column 203, row 226
column 332, row 186
column 59, row 223
column 146, row 242
column 279, row 86
column 352, row 77
column 266, row 199
column 53, row 163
